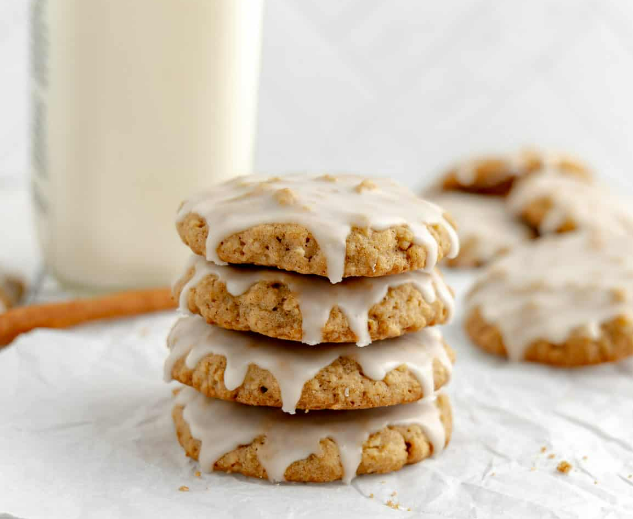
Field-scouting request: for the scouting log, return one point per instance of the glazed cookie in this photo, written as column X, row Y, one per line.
column 496, row 175
column 562, row 300
column 551, row 202
column 335, row 226
column 315, row 447
column 295, row 307
column 11, row 290
column 259, row 371
column 485, row 227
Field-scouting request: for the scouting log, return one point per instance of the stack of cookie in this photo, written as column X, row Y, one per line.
column 312, row 293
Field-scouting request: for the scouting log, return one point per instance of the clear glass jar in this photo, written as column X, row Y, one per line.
column 136, row 104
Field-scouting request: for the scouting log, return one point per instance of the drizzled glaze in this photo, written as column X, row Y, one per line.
column 317, row 297
column 558, row 285
column 329, row 207
column 587, row 205
column 483, row 223
column 292, row 367
column 222, row 427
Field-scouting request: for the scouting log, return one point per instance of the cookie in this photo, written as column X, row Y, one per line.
column 555, row 203
column 11, row 291
column 295, row 307
column 485, row 227
column 334, row 226
column 316, row 447
column 565, row 300
column 259, row 371
column 496, row 175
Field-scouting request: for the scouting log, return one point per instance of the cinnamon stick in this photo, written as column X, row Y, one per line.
column 63, row 315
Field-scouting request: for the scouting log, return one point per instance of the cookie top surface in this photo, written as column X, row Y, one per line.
column 496, row 174
column 556, row 287
column 222, row 427
column 305, row 308
column 362, row 227
column 551, row 202
column 291, row 368
column 485, row 227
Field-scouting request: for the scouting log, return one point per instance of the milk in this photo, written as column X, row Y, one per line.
column 136, row 104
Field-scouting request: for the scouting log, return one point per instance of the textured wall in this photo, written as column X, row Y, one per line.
column 402, row 87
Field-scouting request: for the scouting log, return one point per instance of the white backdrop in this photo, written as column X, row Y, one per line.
column 403, row 87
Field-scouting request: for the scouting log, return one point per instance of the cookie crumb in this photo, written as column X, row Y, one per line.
column 328, row 178
column 493, row 474
column 595, row 482
column 366, row 185
column 198, row 474
column 630, row 476
column 584, row 457
column 551, row 456
column 409, row 510
column 371, row 496
column 543, row 449
column 619, row 295
column 393, row 505
column 564, row 467
column 394, row 494
column 532, row 469
column 184, row 489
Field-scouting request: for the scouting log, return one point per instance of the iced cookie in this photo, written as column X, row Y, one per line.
column 11, row 290
column 485, row 227
column 564, row 300
column 551, row 202
column 335, row 226
column 259, row 371
column 296, row 307
column 496, row 175
column 316, row 447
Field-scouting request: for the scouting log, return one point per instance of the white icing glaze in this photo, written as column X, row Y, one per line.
column 588, row 205
column 329, row 207
column 555, row 286
column 292, row 365
column 223, row 426
column 317, row 297
column 484, row 223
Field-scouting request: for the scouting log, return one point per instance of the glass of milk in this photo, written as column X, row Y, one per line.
column 136, row 105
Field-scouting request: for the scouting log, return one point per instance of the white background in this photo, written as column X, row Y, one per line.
column 404, row 87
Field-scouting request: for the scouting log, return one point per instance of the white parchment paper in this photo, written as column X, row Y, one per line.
column 86, row 431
